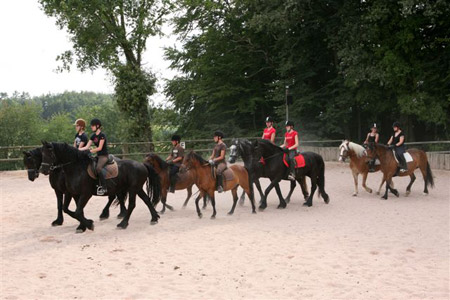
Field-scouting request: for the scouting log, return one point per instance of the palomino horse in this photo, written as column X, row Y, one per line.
column 358, row 163
column 185, row 180
column 389, row 167
column 206, row 181
column 131, row 177
column 32, row 160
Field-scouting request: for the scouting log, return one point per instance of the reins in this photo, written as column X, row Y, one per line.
column 52, row 167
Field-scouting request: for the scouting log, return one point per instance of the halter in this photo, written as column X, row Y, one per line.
column 53, row 167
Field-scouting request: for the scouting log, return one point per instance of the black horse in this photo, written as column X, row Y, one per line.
column 314, row 168
column 246, row 150
column 131, row 178
column 32, row 160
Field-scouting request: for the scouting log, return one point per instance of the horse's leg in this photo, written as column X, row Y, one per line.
column 303, row 186
column 131, row 205
column 280, row 196
column 150, row 206
column 67, row 199
column 258, row 186
column 355, row 180
column 199, row 212
column 392, row 189
column 408, row 188
column 213, row 204
column 309, row 202
column 293, row 184
column 123, row 209
column 163, row 201
column 424, row 171
column 235, row 199
column 263, row 204
column 364, row 178
column 59, row 202
column 242, row 198
column 205, row 201
column 79, row 215
column 105, row 213
column 189, row 190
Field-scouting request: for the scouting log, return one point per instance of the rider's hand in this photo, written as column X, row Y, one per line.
column 286, row 150
column 211, row 162
column 391, row 146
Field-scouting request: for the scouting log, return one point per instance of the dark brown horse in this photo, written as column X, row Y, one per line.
column 389, row 167
column 185, row 180
column 206, row 182
column 358, row 164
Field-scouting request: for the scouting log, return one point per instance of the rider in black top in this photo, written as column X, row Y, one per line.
column 99, row 140
column 372, row 138
column 397, row 142
column 81, row 138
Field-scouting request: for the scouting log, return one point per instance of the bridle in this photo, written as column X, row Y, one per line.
column 51, row 166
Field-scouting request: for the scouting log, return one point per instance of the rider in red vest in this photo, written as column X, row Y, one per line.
column 290, row 146
column 269, row 132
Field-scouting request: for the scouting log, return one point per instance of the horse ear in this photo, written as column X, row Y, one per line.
column 27, row 153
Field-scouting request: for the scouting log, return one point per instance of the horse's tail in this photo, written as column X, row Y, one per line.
column 117, row 200
column 321, row 179
column 429, row 177
column 153, row 185
column 250, row 181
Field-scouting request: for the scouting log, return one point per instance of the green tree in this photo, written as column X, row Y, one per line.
column 113, row 35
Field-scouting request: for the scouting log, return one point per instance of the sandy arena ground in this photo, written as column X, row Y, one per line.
column 353, row 248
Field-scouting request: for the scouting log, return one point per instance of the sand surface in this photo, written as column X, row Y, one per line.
column 353, row 248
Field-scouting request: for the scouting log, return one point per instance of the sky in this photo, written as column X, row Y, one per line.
column 30, row 42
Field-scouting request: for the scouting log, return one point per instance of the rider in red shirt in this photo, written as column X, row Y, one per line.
column 290, row 146
column 269, row 132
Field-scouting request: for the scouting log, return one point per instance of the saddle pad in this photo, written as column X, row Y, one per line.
column 406, row 155
column 228, row 174
column 112, row 171
column 299, row 161
column 262, row 161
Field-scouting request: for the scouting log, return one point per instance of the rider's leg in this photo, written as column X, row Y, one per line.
column 291, row 175
column 220, row 168
column 400, row 151
column 102, row 159
column 173, row 177
column 372, row 165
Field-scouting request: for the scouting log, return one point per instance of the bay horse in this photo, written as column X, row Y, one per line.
column 358, row 164
column 314, row 168
column 185, row 180
column 246, row 150
column 32, row 160
column 206, row 181
column 389, row 167
column 131, row 178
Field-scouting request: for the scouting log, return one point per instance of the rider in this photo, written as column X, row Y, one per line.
column 290, row 146
column 175, row 159
column 80, row 137
column 269, row 132
column 99, row 140
column 217, row 158
column 397, row 142
column 372, row 137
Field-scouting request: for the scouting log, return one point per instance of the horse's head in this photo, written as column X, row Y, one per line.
column 234, row 151
column 151, row 159
column 32, row 161
column 48, row 157
column 343, row 150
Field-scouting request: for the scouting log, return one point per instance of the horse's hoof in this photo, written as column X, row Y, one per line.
column 230, row 213
column 354, row 194
column 57, row 223
column 120, row 216
column 384, row 198
column 213, row 217
column 407, row 193
column 79, row 230
column 307, row 204
column 396, row 193
column 122, row 226
column 183, row 207
column 281, row 206
column 378, row 193
column 153, row 222
column 90, row 225
column 162, row 212
column 200, row 216
column 327, row 200
column 287, row 200
column 103, row 216
column 254, row 212
column 425, row 194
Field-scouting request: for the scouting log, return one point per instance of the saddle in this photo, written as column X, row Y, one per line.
column 227, row 174
column 110, row 170
column 406, row 155
column 299, row 161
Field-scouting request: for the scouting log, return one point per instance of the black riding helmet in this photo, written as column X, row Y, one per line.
column 374, row 125
column 396, row 124
column 289, row 123
column 219, row 133
column 176, row 138
column 96, row 122
column 269, row 119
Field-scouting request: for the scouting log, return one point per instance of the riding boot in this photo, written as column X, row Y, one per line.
column 372, row 165
column 402, row 163
column 219, row 183
column 173, row 182
column 101, row 189
column 291, row 175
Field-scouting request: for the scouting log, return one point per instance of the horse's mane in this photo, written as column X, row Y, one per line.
column 358, row 149
column 70, row 153
column 270, row 144
column 36, row 152
column 162, row 163
column 196, row 156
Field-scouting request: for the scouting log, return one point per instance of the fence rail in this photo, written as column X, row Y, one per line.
column 439, row 157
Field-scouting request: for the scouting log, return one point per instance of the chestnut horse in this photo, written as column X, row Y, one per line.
column 389, row 167
column 206, row 181
column 358, row 163
column 185, row 180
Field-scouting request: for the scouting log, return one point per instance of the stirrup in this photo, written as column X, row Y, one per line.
column 220, row 189
column 101, row 190
column 291, row 177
